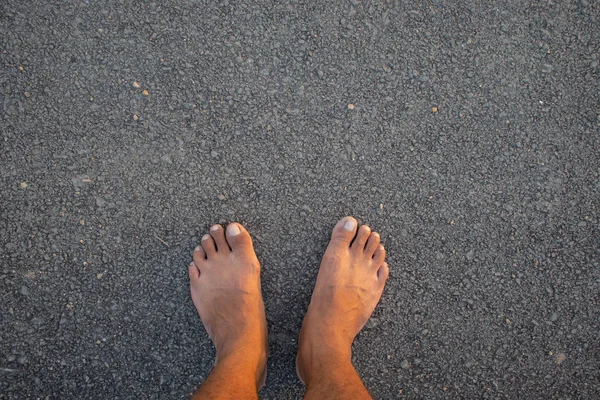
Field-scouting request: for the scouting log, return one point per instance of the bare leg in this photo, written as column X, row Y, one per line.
column 349, row 286
column 225, row 288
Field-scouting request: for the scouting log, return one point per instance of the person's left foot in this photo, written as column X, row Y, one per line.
column 225, row 288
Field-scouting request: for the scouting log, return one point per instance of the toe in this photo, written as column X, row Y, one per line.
column 372, row 244
column 238, row 238
column 344, row 231
column 208, row 245
column 194, row 272
column 199, row 255
column 361, row 238
column 383, row 272
column 218, row 234
column 379, row 255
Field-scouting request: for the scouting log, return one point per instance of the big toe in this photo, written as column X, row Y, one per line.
column 344, row 231
column 238, row 238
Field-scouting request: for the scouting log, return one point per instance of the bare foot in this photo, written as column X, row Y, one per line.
column 225, row 288
column 349, row 285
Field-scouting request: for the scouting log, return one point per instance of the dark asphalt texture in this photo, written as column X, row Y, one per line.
column 466, row 133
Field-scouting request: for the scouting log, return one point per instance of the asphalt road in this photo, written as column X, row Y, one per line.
column 466, row 133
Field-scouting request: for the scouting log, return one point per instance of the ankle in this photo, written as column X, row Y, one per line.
column 249, row 362
column 252, row 351
column 324, row 369
column 320, row 357
column 323, row 339
column 248, row 338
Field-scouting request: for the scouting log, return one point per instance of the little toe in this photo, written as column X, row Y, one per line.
column 218, row 234
column 208, row 245
column 372, row 244
column 194, row 272
column 383, row 272
column 379, row 255
column 199, row 255
column 239, row 239
column 344, row 231
column 361, row 238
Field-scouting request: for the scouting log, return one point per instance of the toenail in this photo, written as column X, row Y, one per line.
column 214, row 228
column 350, row 225
column 197, row 248
column 234, row 230
column 205, row 237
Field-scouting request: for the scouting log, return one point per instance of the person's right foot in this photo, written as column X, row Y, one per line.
column 349, row 285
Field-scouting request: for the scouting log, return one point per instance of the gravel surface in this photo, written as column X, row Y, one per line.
column 467, row 133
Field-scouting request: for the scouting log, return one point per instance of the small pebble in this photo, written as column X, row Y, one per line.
column 350, row 106
column 434, row 109
column 145, row 92
column 135, row 117
column 136, row 85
